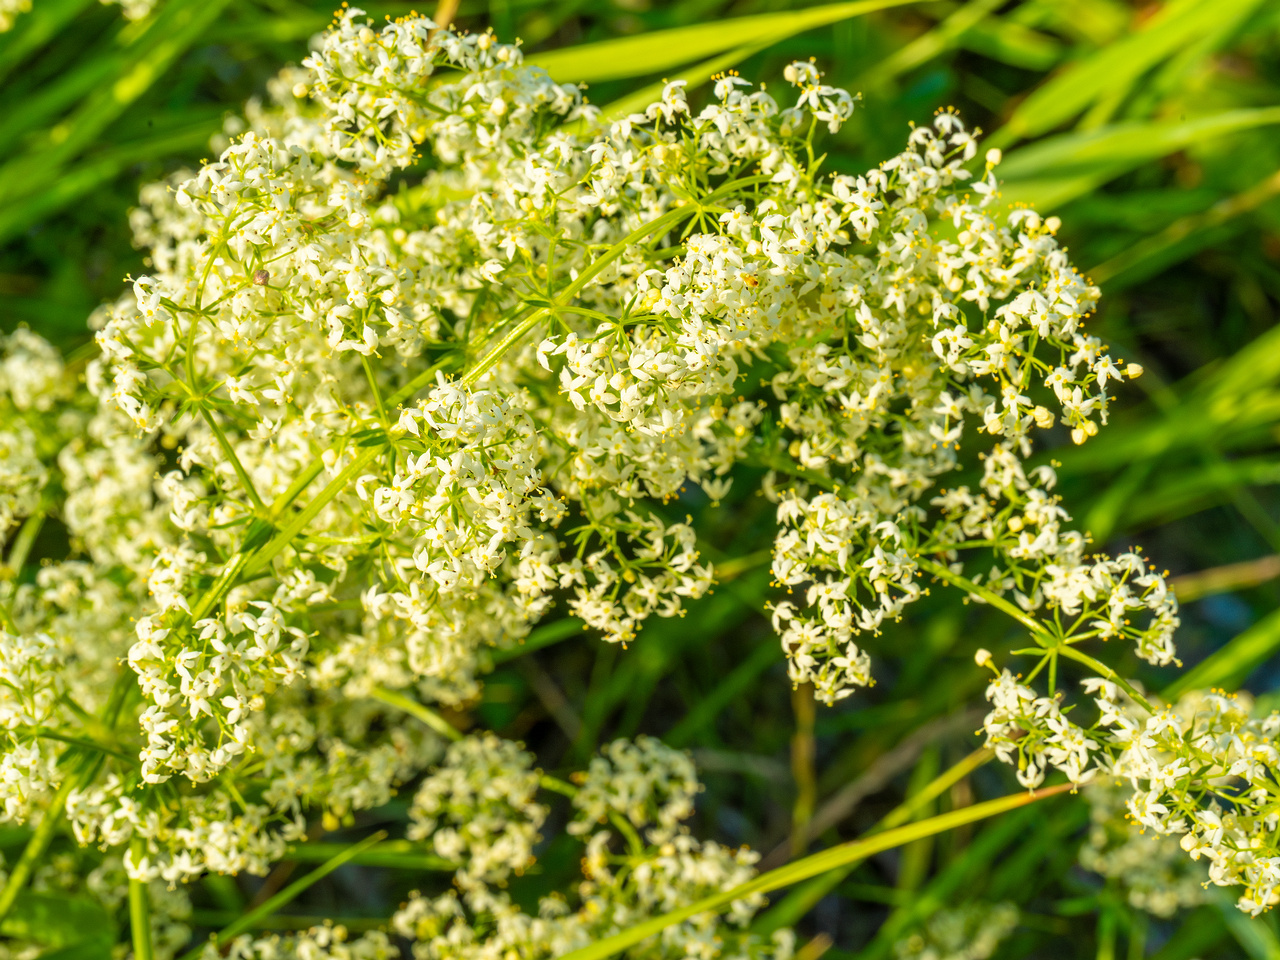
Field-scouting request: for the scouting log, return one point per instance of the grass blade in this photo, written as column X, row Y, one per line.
column 272, row 904
column 788, row 911
column 394, row 854
column 1230, row 665
column 924, row 48
column 1183, row 238
column 811, row 866
column 693, row 77
column 667, row 49
column 737, row 682
column 1114, row 69
column 1055, row 171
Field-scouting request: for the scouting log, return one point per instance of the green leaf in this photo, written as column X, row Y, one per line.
column 1055, row 171
column 83, row 178
column 540, row 637
column 54, row 920
column 736, row 683
column 1253, row 934
column 179, row 25
column 35, row 29
column 811, row 866
column 1197, row 934
column 1012, row 43
column 666, row 49
column 924, row 48
column 1180, row 492
column 395, row 854
column 1112, row 70
column 693, row 77
column 1185, row 237
column 1231, row 665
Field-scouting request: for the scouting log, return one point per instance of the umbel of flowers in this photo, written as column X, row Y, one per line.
column 433, row 347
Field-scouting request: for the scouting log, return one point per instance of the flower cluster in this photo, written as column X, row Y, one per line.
column 1203, row 770
column 1151, row 870
column 369, row 417
column 639, row 860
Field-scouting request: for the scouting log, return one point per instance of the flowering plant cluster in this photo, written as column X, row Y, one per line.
column 433, row 348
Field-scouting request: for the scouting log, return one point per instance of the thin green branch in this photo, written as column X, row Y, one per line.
column 139, row 909
column 942, row 572
column 236, row 465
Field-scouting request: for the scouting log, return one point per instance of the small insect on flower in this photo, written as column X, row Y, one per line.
column 260, row 278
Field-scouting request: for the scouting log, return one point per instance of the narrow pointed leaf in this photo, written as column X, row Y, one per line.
column 811, row 866
column 667, row 49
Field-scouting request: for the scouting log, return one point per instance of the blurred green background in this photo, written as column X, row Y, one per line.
column 1151, row 129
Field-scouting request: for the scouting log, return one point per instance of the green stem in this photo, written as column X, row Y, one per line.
column 227, row 577
column 942, row 572
column 1038, row 633
column 556, row 785
column 502, row 346
column 308, row 513
column 229, row 450
column 428, row 716
column 1107, row 673
column 272, row 904
column 139, row 908
column 377, row 394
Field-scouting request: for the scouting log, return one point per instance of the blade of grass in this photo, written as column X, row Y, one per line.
column 1254, row 934
column 539, row 637
column 428, row 716
column 287, row 895
column 139, row 909
column 215, row 918
column 661, row 50
column 693, row 77
column 179, row 25
column 1055, row 171
column 1012, row 43
column 396, row 854
column 811, row 866
column 1224, row 579
column 1230, row 665
column 1194, row 488
column 803, row 774
column 82, row 179
column 1116, row 67
column 1181, row 239
column 943, row 37
column 1199, row 932
column 945, row 887
column 798, row 902
column 35, row 29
